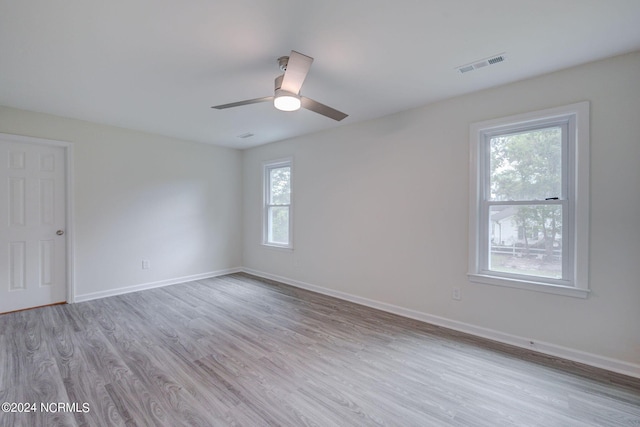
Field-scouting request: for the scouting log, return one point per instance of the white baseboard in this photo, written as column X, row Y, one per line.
column 614, row 365
column 151, row 285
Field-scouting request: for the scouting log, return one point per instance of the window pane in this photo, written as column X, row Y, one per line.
column 526, row 165
column 280, row 188
column 278, row 225
column 526, row 239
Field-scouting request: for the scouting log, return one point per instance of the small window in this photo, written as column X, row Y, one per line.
column 529, row 201
column 277, row 204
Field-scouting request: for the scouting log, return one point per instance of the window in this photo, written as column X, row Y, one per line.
column 529, row 208
column 277, row 204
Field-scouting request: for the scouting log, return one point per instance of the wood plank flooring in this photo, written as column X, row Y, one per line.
column 242, row 351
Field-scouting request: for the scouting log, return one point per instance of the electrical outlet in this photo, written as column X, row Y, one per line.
column 146, row 264
column 455, row 294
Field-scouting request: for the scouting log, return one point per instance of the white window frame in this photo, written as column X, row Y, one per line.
column 575, row 200
column 266, row 179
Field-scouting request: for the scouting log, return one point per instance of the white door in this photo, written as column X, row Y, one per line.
column 32, row 224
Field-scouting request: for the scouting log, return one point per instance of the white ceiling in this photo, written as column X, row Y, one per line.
column 159, row 65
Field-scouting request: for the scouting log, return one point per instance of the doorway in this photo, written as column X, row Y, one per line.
column 34, row 222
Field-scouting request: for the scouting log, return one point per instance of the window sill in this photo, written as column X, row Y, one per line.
column 278, row 247
column 529, row 285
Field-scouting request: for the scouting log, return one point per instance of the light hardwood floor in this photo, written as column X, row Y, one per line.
column 238, row 350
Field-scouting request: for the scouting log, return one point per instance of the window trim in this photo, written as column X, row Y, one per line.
column 267, row 166
column 575, row 183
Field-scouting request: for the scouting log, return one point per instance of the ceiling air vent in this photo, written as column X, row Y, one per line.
column 495, row 59
column 245, row 135
column 465, row 69
column 492, row 60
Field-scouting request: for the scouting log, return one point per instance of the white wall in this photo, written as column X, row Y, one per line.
column 381, row 213
column 137, row 195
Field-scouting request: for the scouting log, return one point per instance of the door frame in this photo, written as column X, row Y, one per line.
column 69, row 202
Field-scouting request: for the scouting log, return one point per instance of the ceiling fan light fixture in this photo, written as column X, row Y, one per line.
column 287, row 89
column 286, row 101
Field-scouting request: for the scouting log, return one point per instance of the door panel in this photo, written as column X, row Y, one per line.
column 32, row 211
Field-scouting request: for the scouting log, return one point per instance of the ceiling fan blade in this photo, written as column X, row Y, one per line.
column 319, row 108
column 240, row 103
column 297, row 70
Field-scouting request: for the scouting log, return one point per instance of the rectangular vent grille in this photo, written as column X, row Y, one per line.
column 495, row 60
column 492, row 60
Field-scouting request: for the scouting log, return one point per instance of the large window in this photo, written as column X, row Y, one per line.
column 277, row 204
column 529, row 201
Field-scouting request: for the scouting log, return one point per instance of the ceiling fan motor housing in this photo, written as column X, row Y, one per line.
column 278, row 82
column 282, row 63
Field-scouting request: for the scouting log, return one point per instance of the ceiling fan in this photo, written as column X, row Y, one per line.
column 287, row 89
